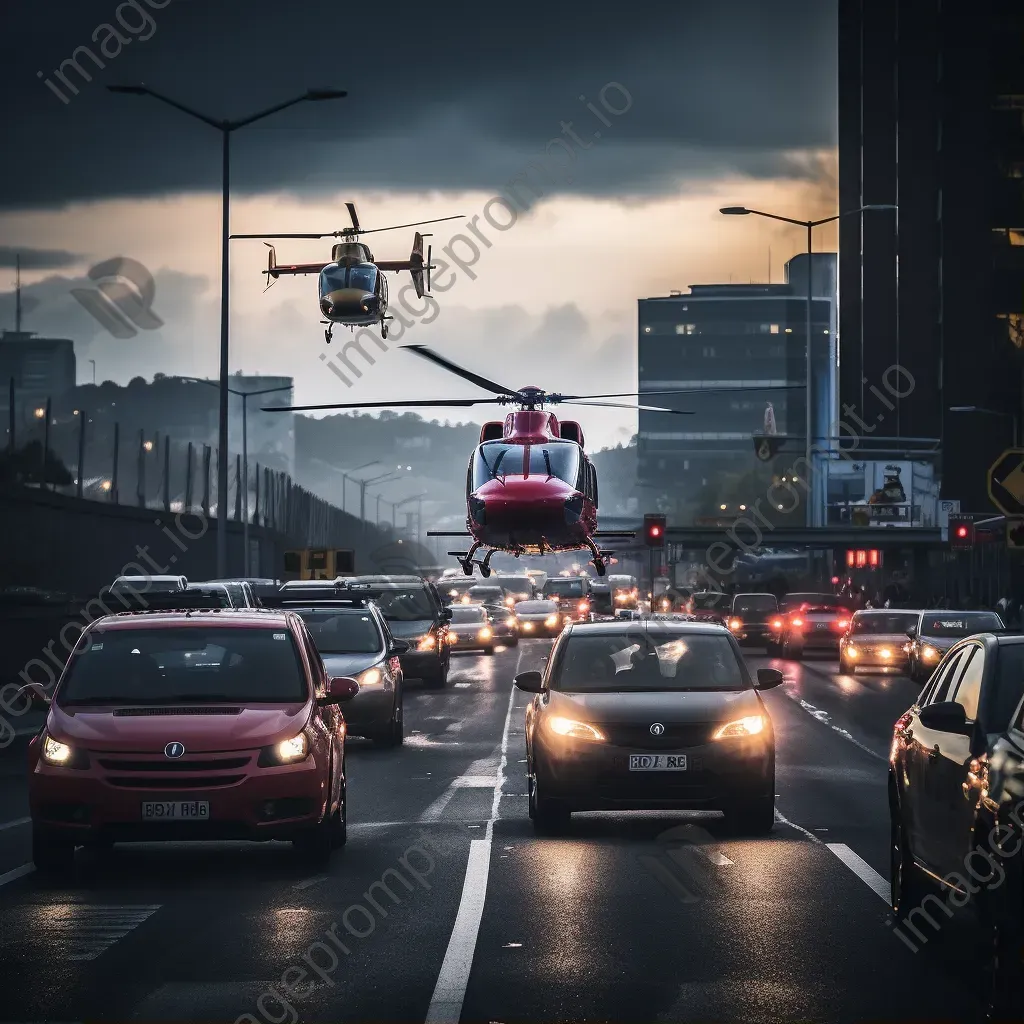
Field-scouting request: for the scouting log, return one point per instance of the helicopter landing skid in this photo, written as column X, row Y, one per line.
column 599, row 556
column 467, row 561
column 328, row 334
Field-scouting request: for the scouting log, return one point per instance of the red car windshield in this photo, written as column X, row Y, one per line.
column 193, row 664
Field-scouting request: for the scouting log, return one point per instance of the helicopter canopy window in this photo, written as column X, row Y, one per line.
column 333, row 278
column 499, row 459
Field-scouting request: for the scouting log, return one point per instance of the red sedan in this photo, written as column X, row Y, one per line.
column 194, row 725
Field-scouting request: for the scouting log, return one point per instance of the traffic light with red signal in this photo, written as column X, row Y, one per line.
column 654, row 530
column 961, row 532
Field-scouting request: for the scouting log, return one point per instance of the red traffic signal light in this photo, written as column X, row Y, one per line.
column 961, row 532
column 654, row 530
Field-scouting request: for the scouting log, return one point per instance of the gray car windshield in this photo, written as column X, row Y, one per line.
column 342, row 631
column 635, row 661
column 193, row 664
column 960, row 623
column 412, row 605
column 882, row 623
column 469, row 613
column 536, row 608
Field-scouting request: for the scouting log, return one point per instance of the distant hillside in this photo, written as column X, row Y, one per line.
column 427, row 457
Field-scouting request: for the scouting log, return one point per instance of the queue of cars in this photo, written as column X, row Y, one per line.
column 197, row 711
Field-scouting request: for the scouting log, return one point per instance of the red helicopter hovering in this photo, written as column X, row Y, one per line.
column 530, row 488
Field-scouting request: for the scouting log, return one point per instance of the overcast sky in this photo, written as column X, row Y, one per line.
column 706, row 102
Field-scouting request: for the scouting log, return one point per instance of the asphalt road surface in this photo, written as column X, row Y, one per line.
column 445, row 906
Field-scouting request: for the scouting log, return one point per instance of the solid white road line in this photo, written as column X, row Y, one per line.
column 16, row 823
column 863, row 870
column 450, row 990
column 13, row 876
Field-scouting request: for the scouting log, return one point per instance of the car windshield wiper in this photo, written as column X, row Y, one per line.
column 547, row 462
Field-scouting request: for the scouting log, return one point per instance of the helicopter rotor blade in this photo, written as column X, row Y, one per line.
column 554, row 399
column 459, row 371
column 424, row 403
column 280, row 236
column 353, row 216
column 414, row 224
column 623, row 405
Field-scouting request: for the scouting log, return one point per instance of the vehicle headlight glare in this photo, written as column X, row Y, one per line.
column 551, row 620
column 426, row 643
column 295, row 749
column 852, row 651
column 485, row 633
column 750, row 726
column 55, row 752
column 370, row 677
column 511, row 622
column 576, row 730
column 929, row 652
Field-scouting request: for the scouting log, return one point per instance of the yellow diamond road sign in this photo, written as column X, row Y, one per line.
column 1006, row 482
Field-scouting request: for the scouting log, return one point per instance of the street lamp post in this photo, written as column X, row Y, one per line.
column 244, row 482
column 225, row 128
column 809, row 226
column 395, row 506
column 1012, row 417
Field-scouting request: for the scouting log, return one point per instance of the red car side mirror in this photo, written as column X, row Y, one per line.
column 340, row 689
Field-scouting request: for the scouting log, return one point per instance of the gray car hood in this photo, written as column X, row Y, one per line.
column 350, row 664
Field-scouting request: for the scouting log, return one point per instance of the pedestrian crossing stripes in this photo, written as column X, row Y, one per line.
column 84, row 932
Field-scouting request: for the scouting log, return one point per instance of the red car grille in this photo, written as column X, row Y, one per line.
column 207, row 773
column 186, row 782
column 174, row 766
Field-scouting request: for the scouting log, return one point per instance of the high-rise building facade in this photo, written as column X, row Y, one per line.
column 748, row 337
column 931, row 117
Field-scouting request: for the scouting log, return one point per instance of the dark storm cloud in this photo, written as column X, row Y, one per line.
column 440, row 96
column 36, row 259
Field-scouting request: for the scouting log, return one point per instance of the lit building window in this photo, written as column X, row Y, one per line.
column 686, row 328
column 775, row 329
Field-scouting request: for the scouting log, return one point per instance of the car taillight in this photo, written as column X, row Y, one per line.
column 735, row 623
column 798, row 622
column 777, row 624
column 584, row 606
column 843, row 624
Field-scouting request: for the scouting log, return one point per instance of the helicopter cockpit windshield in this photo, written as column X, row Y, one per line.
column 334, row 277
column 498, row 459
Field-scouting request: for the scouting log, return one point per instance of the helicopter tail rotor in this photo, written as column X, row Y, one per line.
column 271, row 271
column 416, row 265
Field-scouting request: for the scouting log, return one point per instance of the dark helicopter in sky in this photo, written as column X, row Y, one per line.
column 353, row 289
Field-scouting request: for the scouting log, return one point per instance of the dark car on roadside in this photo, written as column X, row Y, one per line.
column 934, row 632
column 649, row 715
column 750, row 618
column 956, row 783
column 416, row 614
column 192, row 724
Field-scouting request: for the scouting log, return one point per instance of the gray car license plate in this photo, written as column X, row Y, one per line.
column 657, row 762
column 175, row 810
